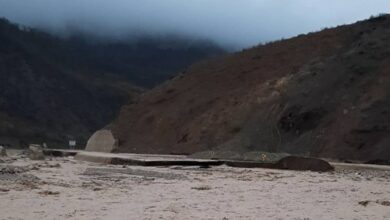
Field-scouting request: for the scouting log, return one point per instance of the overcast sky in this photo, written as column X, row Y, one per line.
column 241, row 23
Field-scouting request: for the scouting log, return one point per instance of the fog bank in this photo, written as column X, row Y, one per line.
column 229, row 22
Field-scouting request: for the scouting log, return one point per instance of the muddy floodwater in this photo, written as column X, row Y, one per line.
column 64, row 188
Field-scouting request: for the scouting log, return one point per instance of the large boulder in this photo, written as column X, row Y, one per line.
column 3, row 152
column 102, row 141
column 304, row 163
column 35, row 152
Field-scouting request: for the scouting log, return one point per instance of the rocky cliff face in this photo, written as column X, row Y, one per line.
column 322, row 94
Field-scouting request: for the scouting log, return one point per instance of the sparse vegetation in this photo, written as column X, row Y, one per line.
column 291, row 100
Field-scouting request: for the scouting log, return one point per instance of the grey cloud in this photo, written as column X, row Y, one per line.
column 231, row 22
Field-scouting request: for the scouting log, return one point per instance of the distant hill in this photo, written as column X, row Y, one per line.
column 146, row 61
column 54, row 89
column 324, row 94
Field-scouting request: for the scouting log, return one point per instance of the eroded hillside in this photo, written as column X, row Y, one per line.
column 322, row 94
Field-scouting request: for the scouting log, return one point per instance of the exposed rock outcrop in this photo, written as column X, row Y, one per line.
column 35, row 152
column 3, row 152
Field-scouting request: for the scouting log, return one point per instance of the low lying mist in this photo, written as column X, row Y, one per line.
column 231, row 23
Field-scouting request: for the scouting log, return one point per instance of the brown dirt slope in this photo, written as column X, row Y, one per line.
column 322, row 94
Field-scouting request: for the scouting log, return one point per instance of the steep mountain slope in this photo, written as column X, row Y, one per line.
column 146, row 61
column 322, row 94
column 52, row 89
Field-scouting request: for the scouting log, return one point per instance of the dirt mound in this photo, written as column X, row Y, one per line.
column 302, row 163
column 101, row 141
column 324, row 94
